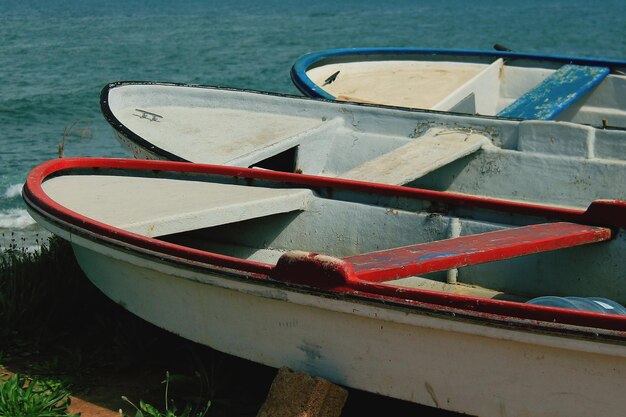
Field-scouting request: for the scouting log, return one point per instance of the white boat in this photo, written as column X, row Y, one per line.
column 414, row 294
column 535, row 161
column 498, row 83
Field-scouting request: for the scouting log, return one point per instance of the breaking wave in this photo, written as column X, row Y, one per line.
column 15, row 219
column 13, row 191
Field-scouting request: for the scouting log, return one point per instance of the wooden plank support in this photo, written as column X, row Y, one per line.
column 555, row 93
column 423, row 258
column 436, row 148
column 298, row 394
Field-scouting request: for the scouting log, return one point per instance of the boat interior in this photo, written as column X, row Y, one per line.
column 263, row 220
column 562, row 164
column 476, row 85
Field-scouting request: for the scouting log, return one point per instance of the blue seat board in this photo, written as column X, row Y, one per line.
column 556, row 92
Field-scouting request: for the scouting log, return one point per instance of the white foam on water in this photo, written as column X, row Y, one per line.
column 15, row 219
column 13, row 191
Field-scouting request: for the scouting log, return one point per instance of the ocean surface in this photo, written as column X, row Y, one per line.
column 56, row 55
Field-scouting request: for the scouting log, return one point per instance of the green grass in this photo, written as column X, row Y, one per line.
column 144, row 409
column 24, row 397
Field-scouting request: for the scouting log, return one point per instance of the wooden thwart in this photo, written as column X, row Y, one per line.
column 556, row 93
column 312, row 269
column 473, row 249
column 436, row 148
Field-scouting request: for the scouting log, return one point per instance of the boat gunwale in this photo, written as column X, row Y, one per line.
column 121, row 128
column 315, row 59
column 532, row 315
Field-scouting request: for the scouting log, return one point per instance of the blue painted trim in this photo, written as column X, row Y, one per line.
column 555, row 93
column 314, row 59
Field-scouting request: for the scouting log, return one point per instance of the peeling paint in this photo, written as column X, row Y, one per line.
column 311, row 350
column 556, row 92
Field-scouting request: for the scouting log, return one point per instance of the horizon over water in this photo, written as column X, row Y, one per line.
column 57, row 55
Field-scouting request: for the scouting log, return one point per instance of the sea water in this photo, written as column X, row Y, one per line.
column 56, row 55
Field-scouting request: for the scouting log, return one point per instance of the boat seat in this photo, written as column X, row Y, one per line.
column 386, row 265
column 138, row 204
column 436, row 148
column 473, row 249
column 555, row 93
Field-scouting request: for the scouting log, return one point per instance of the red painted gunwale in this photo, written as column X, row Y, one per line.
column 607, row 213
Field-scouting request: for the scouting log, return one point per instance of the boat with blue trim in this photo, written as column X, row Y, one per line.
column 497, row 83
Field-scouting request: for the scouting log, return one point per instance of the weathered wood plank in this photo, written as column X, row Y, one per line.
column 473, row 249
column 436, row 148
column 555, row 93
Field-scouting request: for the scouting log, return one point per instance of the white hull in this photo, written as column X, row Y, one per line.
column 533, row 161
column 441, row 362
column 138, row 152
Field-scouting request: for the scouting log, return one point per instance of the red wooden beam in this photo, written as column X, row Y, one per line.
column 423, row 258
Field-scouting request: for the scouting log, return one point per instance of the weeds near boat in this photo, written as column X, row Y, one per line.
column 24, row 397
column 56, row 325
column 81, row 130
column 45, row 298
column 147, row 410
column 32, row 283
